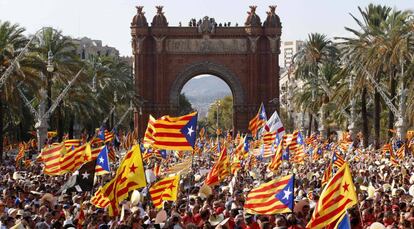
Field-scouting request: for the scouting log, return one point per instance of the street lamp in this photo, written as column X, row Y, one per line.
column 50, row 67
column 217, row 105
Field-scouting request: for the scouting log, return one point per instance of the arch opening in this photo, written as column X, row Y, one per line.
column 203, row 84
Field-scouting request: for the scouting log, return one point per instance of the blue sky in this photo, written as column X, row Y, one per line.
column 109, row 20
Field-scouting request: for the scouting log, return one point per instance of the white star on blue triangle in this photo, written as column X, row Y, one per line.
column 246, row 145
column 103, row 160
column 285, row 155
column 300, row 139
column 277, row 140
column 334, row 158
column 262, row 114
column 189, row 130
column 286, row 194
column 101, row 134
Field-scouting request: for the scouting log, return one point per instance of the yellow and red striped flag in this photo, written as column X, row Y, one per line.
column 72, row 142
column 394, row 160
column 50, row 156
column 400, row 153
column 164, row 190
column 338, row 195
column 258, row 121
column 220, row 170
column 129, row 176
column 337, row 160
column 276, row 159
column 235, row 165
column 157, row 169
column 149, row 132
column 175, row 133
column 296, row 147
column 20, row 154
column 71, row 161
column 327, row 174
column 268, row 142
column 273, row 197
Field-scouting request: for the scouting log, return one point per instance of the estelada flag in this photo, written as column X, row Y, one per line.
column 129, row 176
column 220, row 170
column 175, row 133
column 258, row 121
column 273, row 197
column 338, row 195
column 164, row 190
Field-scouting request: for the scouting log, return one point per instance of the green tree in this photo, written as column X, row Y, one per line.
column 185, row 106
column 225, row 115
column 12, row 41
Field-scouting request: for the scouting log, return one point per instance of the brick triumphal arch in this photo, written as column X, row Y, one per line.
column 166, row 57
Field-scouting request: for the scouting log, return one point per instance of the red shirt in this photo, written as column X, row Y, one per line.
column 253, row 225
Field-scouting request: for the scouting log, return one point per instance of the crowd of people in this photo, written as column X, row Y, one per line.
column 385, row 191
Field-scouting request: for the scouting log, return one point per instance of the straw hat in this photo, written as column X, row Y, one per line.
column 17, row 176
column 386, row 187
column 412, row 179
column 135, row 197
column 205, row 191
column 49, row 198
column 377, row 225
column 197, row 177
column 161, row 217
column 216, row 219
column 411, row 190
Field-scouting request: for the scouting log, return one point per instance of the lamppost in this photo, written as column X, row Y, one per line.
column 218, row 104
column 351, row 126
column 42, row 123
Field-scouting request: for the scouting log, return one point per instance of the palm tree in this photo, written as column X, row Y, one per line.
column 360, row 55
column 317, row 51
column 12, row 41
column 393, row 51
column 51, row 43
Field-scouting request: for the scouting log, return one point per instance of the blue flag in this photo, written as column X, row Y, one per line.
column 103, row 160
column 344, row 222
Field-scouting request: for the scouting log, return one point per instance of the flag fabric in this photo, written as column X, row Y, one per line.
column 72, row 160
column 239, row 150
column 20, row 154
column 394, row 160
column 343, row 223
column 400, row 153
column 258, row 121
column 387, row 150
column 298, row 149
column 50, row 156
column 246, row 148
column 337, row 160
column 338, row 195
column 274, row 124
column 175, row 133
column 81, row 217
column 269, row 139
column 69, row 143
column 285, row 155
column 164, row 190
column 220, row 169
column 157, row 169
column 149, row 132
column 273, row 197
column 276, row 159
column 129, row 176
column 81, row 180
column 327, row 174
column 102, row 162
